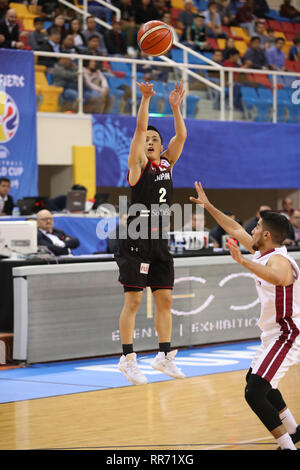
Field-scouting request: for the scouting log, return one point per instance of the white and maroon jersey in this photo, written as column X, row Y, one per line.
column 280, row 305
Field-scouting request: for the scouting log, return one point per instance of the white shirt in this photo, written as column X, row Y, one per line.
column 54, row 238
column 2, row 202
column 280, row 306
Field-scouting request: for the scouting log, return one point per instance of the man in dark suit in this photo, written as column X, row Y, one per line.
column 6, row 201
column 54, row 239
column 9, row 31
column 50, row 45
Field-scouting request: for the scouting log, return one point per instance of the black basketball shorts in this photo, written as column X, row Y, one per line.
column 145, row 263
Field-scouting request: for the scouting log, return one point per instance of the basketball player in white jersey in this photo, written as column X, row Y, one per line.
column 277, row 279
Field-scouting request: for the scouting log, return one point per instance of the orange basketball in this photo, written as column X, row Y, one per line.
column 155, row 38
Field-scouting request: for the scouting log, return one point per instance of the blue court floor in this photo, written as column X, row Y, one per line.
column 63, row 378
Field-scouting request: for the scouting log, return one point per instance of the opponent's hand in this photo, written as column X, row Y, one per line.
column 176, row 95
column 234, row 250
column 202, row 198
column 146, row 89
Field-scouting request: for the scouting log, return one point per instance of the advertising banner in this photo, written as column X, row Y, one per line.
column 18, row 148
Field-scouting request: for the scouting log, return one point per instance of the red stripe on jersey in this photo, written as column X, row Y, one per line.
column 284, row 312
column 127, row 177
column 266, row 253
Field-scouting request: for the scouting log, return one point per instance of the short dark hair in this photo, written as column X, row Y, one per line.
column 152, row 128
column 254, row 38
column 93, row 36
column 232, row 51
column 5, row 180
column 38, row 19
column 279, row 39
column 277, row 224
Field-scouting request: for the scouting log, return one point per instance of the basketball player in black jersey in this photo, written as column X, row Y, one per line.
column 147, row 262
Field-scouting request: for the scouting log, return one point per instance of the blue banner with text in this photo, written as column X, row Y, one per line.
column 222, row 155
column 18, row 148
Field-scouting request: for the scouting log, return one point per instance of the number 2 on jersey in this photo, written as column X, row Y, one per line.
column 162, row 193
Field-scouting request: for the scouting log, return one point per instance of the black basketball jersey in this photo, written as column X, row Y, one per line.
column 154, row 186
column 154, row 190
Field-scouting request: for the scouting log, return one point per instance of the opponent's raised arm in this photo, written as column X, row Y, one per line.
column 227, row 223
column 137, row 155
column 176, row 144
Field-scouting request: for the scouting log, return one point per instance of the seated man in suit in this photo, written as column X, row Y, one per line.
column 9, row 31
column 6, row 201
column 54, row 239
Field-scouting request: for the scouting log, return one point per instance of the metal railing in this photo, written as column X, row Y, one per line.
column 184, row 67
column 85, row 13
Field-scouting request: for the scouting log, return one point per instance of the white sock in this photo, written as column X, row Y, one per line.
column 285, row 442
column 288, row 421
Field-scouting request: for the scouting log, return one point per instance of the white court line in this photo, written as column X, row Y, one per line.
column 250, row 441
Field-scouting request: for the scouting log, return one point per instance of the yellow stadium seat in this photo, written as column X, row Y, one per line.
column 21, row 10
column 279, row 34
column 49, row 93
column 239, row 32
column 241, row 46
column 178, row 4
column 221, row 43
column 28, row 24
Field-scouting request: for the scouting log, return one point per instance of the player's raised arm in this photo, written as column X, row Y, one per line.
column 227, row 223
column 176, row 144
column 137, row 158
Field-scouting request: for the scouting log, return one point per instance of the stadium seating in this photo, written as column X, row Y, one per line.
column 50, row 93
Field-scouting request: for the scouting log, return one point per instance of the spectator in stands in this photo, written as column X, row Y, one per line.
column 194, row 36
column 186, row 17
column 128, row 24
column 67, row 45
column 47, row 8
column 115, row 41
column 59, row 24
column 294, row 52
column 260, row 8
column 3, row 8
column 145, row 11
column 168, row 20
column 94, row 49
column 295, row 221
column 225, row 12
column 255, row 56
column 288, row 11
column 9, row 31
column 244, row 17
column 229, row 44
column 218, row 57
column 6, row 201
column 79, row 39
column 162, row 8
column 271, row 38
column 253, row 222
column 259, row 31
column 276, row 56
column 91, row 31
column 54, row 239
column 51, row 45
column 96, row 87
column 234, row 60
column 287, row 207
column 65, row 74
column 213, row 22
column 37, row 37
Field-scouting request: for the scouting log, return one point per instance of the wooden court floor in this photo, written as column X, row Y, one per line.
column 198, row 413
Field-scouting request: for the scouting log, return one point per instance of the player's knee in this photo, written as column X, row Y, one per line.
column 163, row 300
column 256, row 390
column 133, row 301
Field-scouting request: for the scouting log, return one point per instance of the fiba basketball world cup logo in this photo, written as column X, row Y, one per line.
column 9, row 117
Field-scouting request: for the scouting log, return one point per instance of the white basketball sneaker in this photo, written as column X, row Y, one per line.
column 128, row 365
column 166, row 364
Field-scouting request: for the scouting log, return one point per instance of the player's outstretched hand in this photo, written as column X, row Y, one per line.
column 234, row 250
column 146, row 89
column 176, row 95
column 202, row 198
